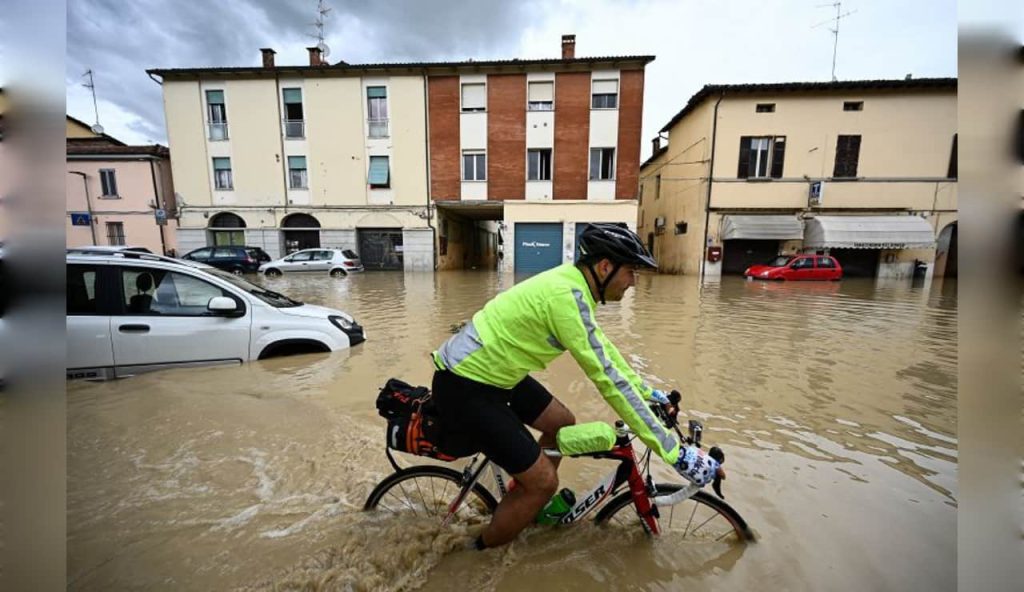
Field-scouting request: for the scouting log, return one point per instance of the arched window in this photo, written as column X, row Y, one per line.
column 227, row 220
column 300, row 221
column 231, row 233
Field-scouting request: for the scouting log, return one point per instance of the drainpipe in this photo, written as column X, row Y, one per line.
column 88, row 206
column 426, row 130
column 711, row 176
column 156, row 199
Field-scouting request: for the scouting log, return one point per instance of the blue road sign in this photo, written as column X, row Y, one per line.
column 81, row 219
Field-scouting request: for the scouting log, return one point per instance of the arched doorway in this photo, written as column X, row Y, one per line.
column 301, row 231
column 227, row 229
column 946, row 252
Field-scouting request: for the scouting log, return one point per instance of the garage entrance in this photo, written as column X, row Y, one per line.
column 857, row 262
column 381, row 248
column 739, row 254
column 538, row 246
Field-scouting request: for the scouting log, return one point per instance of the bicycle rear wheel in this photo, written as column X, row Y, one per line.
column 427, row 491
column 699, row 518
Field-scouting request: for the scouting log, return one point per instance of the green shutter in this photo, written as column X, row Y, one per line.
column 379, row 170
column 293, row 95
column 296, row 162
column 222, row 164
column 215, row 96
column 376, row 92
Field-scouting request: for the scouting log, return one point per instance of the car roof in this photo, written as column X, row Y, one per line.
column 112, row 248
column 92, row 254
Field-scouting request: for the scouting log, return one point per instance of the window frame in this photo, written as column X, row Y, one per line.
column 530, row 152
column 764, row 108
column 105, row 184
column 123, row 304
column 851, row 162
column 601, row 163
column 97, row 289
column 215, row 119
column 380, row 125
column 303, row 173
column 462, row 97
column 614, row 96
column 477, row 156
column 120, row 236
column 217, row 184
column 387, row 160
column 853, row 105
column 540, row 106
column 774, row 163
column 291, row 123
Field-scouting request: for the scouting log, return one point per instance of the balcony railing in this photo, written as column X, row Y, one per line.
column 218, row 131
column 294, row 129
column 378, row 128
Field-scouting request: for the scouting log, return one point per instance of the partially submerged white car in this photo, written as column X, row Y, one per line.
column 130, row 312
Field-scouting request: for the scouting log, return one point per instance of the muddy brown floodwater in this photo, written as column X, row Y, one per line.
column 835, row 403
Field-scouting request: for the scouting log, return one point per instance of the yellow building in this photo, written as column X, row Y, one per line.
column 863, row 170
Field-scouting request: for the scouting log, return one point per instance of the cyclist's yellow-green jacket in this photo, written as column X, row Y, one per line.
column 524, row 328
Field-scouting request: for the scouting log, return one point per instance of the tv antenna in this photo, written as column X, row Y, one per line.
column 91, row 85
column 835, row 31
column 321, row 16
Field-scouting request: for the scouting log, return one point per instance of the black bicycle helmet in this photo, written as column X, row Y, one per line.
column 616, row 243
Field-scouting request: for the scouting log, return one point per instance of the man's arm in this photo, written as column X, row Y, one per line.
column 572, row 321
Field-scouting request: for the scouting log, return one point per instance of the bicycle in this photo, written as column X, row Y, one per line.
column 424, row 489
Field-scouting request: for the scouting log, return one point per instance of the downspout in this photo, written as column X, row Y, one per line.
column 711, row 175
column 156, row 199
column 426, row 130
column 88, row 206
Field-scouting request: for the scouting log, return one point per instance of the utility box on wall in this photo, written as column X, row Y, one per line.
column 714, row 254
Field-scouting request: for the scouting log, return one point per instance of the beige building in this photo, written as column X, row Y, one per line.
column 863, row 170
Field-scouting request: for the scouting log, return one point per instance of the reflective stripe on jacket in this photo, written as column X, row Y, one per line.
column 524, row 328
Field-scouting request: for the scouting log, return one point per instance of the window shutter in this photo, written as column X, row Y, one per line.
column 595, row 163
column 606, row 87
column 215, row 96
column 296, row 162
column 376, row 92
column 222, row 164
column 474, row 96
column 778, row 156
column 379, row 171
column 292, row 95
column 542, row 91
column 742, row 172
column 847, row 155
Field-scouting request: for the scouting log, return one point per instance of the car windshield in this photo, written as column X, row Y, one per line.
column 779, row 261
column 350, row 254
column 275, row 299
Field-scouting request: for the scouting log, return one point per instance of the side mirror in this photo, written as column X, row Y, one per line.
column 224, row 306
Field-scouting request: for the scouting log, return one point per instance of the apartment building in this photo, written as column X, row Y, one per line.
column 863, row 170
column 415, row 166
column 117, row 194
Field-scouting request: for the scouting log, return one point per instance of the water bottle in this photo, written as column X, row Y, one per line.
column 560, row 505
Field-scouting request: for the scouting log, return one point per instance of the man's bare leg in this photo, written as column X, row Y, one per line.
column 534, row 487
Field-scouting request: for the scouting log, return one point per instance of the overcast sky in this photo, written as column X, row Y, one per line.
column 696, row 42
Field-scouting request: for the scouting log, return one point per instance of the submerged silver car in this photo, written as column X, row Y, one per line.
column 336, row 262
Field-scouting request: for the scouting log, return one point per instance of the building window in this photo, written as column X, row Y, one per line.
column 681, row 227
column 538, row 164
column 115, row 233
column 474, row 166
column 474, row 97
column 605, row 94
column 765, row 108
column 294, row 121
column 541, row 96
column 297, row 178
column 380, row 172
column 108, row 183
column 951, row 172
column 847, row 155
column 377, row 111
column 222, row 174
column 853, row 105
column 761, row 157
column 657, row 188
column 602, row 164
column 216, row 115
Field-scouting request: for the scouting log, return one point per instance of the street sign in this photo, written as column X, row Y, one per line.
column 81, row 219
column 161, row 217
column 817, row 194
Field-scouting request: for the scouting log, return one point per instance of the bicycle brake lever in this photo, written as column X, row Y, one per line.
column 717, row 484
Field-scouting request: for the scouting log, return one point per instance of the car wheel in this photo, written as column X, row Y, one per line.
column 338, row 273
column 272, row 273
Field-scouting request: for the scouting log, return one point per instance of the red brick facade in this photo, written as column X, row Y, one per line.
column 631, row 103
column 572, row 135
column 506, row 136
column 445, row 168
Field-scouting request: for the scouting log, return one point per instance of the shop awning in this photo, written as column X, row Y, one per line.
column 761, row 227
column 869, row 232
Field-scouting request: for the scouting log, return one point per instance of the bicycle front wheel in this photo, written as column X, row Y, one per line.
column 699, row 518
column 428, row 491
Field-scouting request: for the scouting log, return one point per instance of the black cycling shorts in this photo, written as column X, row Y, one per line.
column 478, row 417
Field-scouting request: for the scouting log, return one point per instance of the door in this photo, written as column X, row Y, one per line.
column 826, row 269
column 321, row 260
column 89, row 346
column 801, row 268
column 297, row 240
column 299, row 261
column 538, row 247
column 164, row 321
column 381, row 248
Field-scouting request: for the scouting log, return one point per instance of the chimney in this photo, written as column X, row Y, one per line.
column 268, row 57
column 657, row 144
column 314, row 56
column 568, row 47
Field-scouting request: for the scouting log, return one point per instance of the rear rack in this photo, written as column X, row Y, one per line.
column 135, row 255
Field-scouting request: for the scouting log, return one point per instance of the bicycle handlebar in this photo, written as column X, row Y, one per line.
column 668, row 413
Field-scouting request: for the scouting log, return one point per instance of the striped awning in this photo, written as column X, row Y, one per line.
column 761, row 227
column 869, row 232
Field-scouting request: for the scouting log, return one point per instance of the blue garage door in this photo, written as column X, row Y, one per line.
column 538, row 247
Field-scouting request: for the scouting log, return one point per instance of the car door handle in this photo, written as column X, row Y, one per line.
column 134, row 328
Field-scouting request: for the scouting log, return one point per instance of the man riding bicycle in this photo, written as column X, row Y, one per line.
column 485, row 394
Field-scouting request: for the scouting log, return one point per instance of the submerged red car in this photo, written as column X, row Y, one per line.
column 797, row 267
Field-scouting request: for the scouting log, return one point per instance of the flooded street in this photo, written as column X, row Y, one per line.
column 834, row 402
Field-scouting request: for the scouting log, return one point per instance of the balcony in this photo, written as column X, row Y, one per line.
column 294, row 129
column 218, row 130
column 378, row 128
